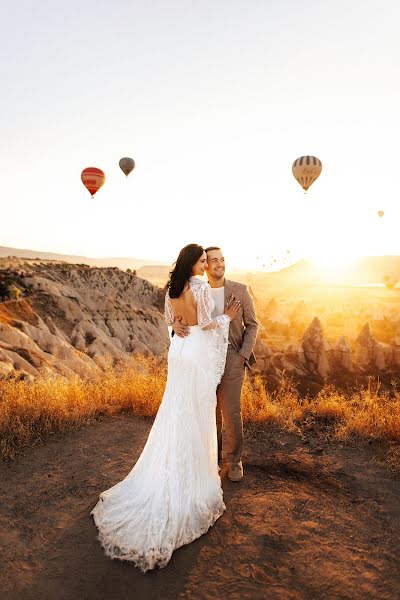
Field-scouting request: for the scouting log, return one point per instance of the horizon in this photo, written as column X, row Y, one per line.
column 335, row 272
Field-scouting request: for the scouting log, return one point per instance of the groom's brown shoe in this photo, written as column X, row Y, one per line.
column 235, row 471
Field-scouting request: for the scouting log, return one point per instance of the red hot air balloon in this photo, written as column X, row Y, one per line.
column 93, row 178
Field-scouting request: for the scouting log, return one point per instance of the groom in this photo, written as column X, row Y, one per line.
column 242, row 337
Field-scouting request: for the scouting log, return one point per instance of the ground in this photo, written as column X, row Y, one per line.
column 310, row 520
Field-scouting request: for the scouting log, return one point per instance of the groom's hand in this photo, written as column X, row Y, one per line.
column 180, row 330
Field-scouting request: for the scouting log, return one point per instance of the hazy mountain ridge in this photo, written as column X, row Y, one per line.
column 121, row 262
column 366, row 269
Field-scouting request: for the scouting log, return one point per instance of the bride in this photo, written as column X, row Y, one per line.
column 173, row 493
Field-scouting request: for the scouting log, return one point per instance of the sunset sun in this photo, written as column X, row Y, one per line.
column 333, row 265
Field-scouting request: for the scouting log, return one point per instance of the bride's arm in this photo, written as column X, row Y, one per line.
column 168, row 311
column 204, row 318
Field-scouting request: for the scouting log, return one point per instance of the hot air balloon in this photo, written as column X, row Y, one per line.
column 390, row 280
column 380, row 213
column 127, row 165
column 93, row 178
column 306, row 170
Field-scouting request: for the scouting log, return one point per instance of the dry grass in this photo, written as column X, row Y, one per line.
column 29, row 411
column 281, row 407
column 392, row 459
column 368, row 413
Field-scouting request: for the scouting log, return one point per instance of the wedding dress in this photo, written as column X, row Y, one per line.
column 173, row 493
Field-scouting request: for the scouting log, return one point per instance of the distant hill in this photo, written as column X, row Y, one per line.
column 365, row 270
column 120, row 262
column 373, row 268
column 368, row 269
column 157, row 274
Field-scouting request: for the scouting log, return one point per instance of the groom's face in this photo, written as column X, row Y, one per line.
column 216, row 264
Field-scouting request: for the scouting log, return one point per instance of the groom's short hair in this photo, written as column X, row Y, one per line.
column 212, row 248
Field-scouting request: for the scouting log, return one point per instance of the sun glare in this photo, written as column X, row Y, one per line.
column 333, row 266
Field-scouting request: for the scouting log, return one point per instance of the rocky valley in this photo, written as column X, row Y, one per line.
column 63, row 319
column 58, row 318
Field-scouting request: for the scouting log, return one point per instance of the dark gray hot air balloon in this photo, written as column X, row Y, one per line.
column 306, row 170
column 127, row 165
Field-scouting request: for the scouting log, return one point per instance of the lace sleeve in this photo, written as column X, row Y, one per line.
column 168, row 312
column 219, row 327
column 204, row 318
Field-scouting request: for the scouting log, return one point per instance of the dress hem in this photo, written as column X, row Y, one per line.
column 153, row 558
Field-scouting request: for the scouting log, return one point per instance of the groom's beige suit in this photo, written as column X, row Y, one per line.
column 242, row 337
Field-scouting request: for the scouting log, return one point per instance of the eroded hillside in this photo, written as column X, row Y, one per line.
column 65, row 319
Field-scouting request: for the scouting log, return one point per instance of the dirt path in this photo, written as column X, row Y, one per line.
column 305, row 523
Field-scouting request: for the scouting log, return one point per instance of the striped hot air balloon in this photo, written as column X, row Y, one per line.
column 306, row 170
column 93, row 178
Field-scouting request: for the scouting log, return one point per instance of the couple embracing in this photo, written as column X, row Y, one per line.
column 173, row 494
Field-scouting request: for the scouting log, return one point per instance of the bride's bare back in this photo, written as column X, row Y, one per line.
column 185, row 307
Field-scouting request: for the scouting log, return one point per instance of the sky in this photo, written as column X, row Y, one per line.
column 214, row 101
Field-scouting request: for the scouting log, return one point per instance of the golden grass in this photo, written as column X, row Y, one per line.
column 30, row 411
column 392, row 459
column 371, row 414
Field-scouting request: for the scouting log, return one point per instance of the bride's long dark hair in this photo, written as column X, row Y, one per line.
column 188, row 256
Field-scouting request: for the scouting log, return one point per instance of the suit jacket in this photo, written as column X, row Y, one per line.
column 242, row 329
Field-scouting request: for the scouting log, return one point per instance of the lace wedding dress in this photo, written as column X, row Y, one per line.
column 173, row 493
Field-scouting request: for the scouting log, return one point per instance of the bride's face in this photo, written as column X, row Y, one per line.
column 201, row 265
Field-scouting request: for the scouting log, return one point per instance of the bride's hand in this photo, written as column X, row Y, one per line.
column 232, row 308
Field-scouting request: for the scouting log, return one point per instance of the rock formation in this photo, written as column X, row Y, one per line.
column 67, row 318
column 371, row 354
column 343, row 355
column 294, row 360
column 264, row 354
column 316, row 349
column 274, row 313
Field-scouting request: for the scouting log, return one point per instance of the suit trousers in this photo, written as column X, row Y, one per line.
column 229, row 409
